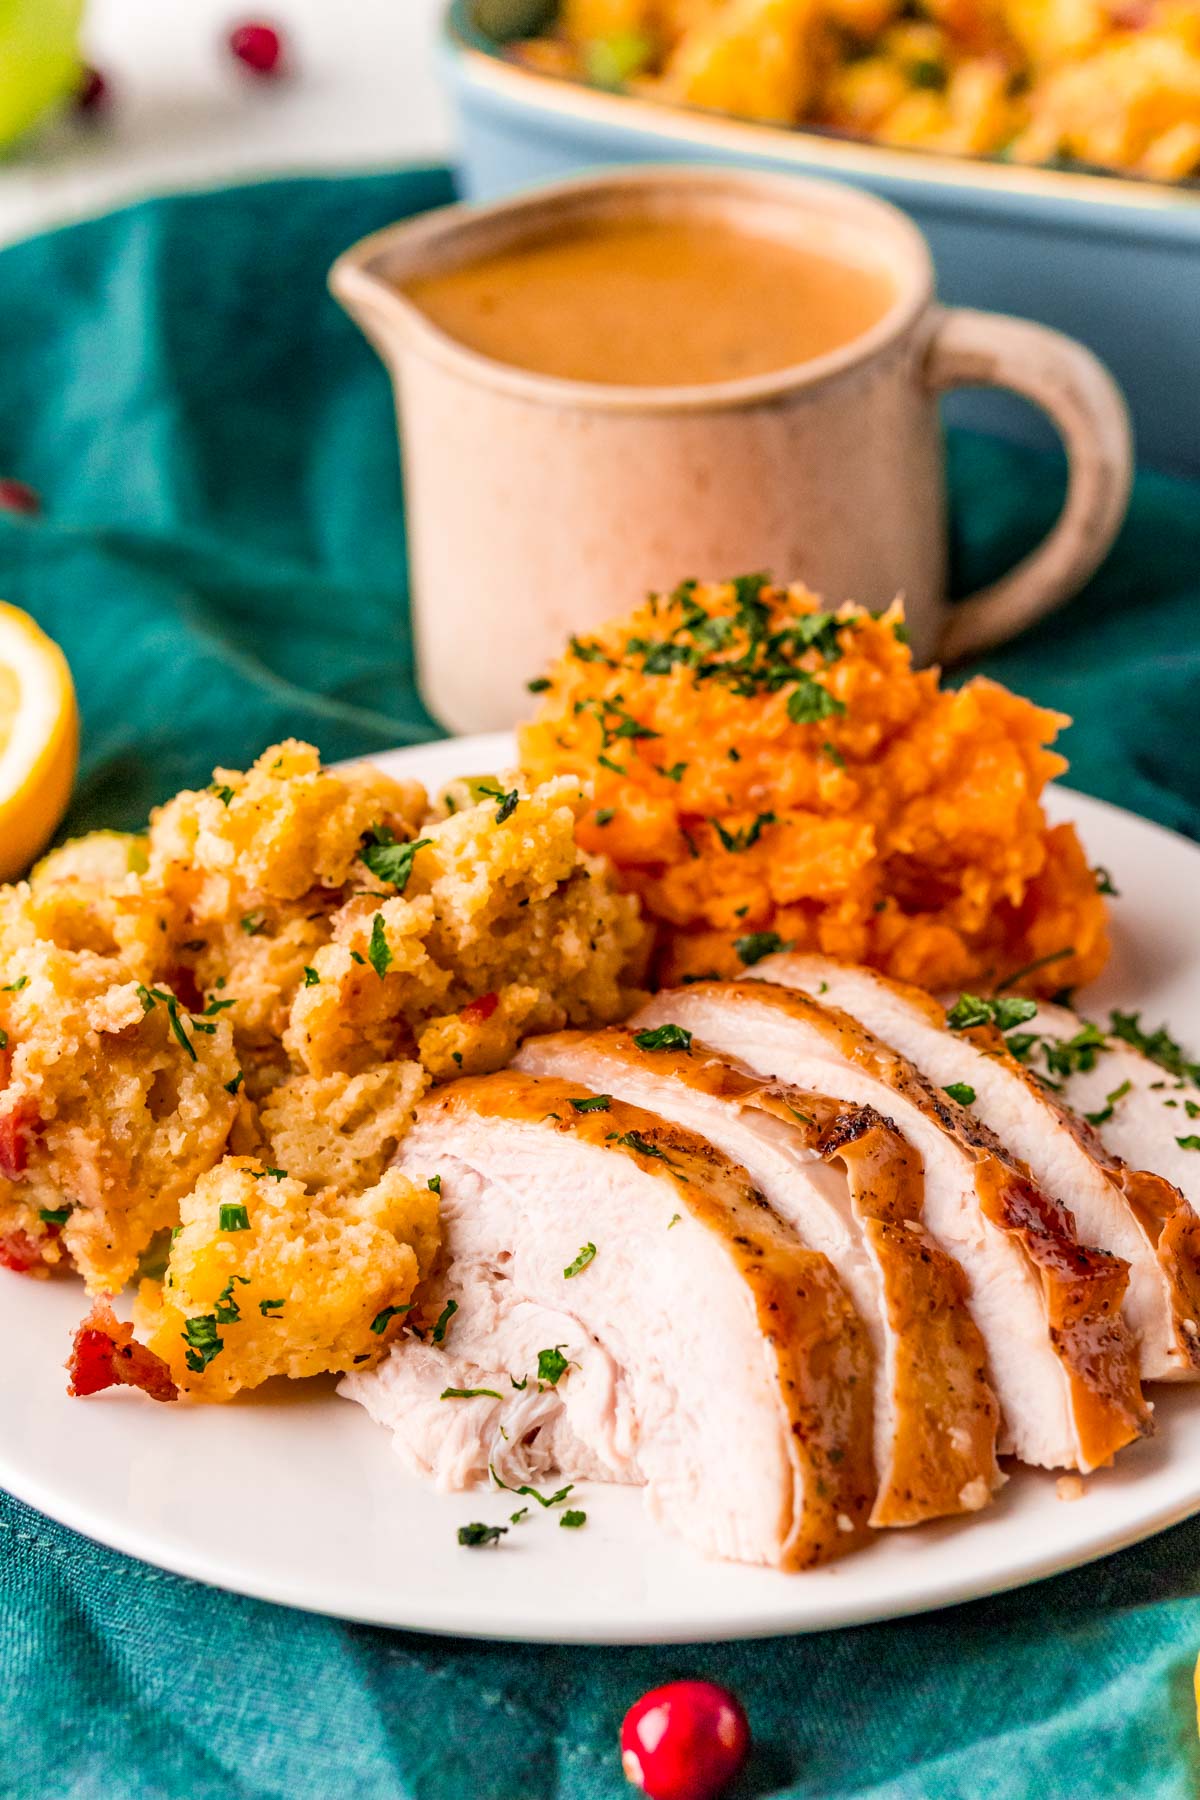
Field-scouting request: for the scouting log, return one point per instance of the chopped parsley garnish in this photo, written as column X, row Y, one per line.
column 472, row 1536
column 1075, row 1055
column 633, row 1140
column 378, row 952
column 204, row 1340
column 1192, row 1142
column 901, row 633
column 235, row 1218
column 469, row 1394
column 231, row 1087
column 1004, row 1012
column 1158, row 1045
column 580, row 1262
column 253, row 923
column 224, row 794
column 1021, row 1043
column 1110, row 1100
column 664, row 1037
column 387, row 860
column 311, row 978
column 227, row 1311
column 674, row 1220
column 14, row 987
column 606, row 762
column 521, row 1385
column 606, row 815
column 382, row 1320
column 508, row 802
column 809, row 702
column 1042, row 962
column 448, row 1311
column 572, row 1519
column 3, row 1039
column 538, row 685
column 834, row 754
column 522, row 1512
column 434, row 1184
column 531, row 1493
column 675, row 773
column 217, row 1006
column 357, row 956
column 961, row 1091
column 150, row 997
column 593, row 1103
column 615, row 720
column 266, row 1307
column 589, row 653
column 738, row 841
column 1104, row 883
column 552, row 1365
column 756, row 944
column 54, row 1215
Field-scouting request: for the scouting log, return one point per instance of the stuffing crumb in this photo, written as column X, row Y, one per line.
column 1069, row 1487
column 265, row 1279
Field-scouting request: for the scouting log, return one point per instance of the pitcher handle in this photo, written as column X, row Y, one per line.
column 1086, row 407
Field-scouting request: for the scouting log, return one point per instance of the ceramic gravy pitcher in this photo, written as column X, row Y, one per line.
column 538, row 506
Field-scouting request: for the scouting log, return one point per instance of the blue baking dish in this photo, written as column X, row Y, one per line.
column 1113, row 261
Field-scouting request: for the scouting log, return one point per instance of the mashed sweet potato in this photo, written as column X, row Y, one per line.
column 767, row 771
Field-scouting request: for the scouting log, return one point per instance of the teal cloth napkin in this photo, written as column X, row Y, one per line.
column 222, row 556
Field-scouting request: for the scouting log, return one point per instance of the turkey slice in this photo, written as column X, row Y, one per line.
column 1061, row 1358
column 852, row 1189
column 713, row 1357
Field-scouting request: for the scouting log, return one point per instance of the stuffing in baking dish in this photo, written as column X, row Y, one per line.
column 1114, row 84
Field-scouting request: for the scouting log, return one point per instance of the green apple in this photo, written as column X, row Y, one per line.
column 40, row 63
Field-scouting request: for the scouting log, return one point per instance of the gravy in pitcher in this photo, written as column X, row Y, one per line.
column 650, row 302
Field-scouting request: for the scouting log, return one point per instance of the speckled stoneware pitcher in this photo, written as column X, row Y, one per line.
column 538, row 506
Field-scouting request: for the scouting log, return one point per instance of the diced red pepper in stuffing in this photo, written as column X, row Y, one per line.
column 16, row 1127
column 105, row 1354
column 476, row 1012
column 20, row 1252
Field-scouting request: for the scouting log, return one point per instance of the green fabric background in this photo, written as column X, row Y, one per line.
column 221, row 555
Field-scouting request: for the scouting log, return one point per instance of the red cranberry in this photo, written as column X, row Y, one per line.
column 259, row 46
column 685, row 1741
column 18, row 497
column 92, row 93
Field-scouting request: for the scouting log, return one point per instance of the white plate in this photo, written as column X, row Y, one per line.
column 293, row 1495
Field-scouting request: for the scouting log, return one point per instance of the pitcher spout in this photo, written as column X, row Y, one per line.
column 376, row 304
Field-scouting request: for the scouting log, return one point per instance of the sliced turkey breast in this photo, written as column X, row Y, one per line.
column 720, row 1362
column 1112, row 1206
column 1061, row 1359
column 852, row 1189
column 1142, row 1122
column 1147, row 1117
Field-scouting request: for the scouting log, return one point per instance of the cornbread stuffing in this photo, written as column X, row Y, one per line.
column 266, row 1278
column 767, row 772
column 1113, row 84
column 237, row 1013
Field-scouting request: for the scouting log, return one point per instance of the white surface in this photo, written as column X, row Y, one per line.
column 361, row 93
column 312, row 1508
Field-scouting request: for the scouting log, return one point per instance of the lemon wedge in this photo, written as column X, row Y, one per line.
column 39, row 739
